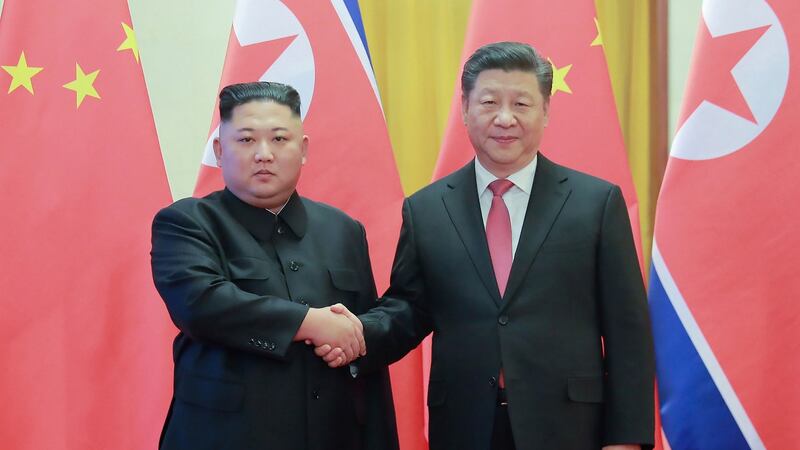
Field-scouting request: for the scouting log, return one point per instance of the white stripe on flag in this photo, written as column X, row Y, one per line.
column 358, row 46
column 704, row 350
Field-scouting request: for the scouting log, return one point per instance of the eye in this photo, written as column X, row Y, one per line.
column 279, row 138
column 246, row 139
column 523, row 104
column 488, row 102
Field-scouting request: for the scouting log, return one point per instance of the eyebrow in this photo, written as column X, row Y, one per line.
column 490, row 90
column 253, row 129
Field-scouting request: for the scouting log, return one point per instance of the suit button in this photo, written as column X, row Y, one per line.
column 294, row 266
column 315, row 394
column 271, row 346
column 503, row 320
column 280, row 229
column 492, row 381
column 302, row 302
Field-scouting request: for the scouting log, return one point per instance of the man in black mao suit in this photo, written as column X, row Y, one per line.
column 248, row 274
column 562, row 357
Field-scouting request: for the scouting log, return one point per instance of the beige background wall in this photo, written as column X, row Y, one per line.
column 182, row 45
column 683, row 17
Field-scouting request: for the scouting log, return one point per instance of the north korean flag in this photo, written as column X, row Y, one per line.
column 724, row 287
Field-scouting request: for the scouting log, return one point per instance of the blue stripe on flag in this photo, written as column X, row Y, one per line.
column 693, row 413
column 355, row 14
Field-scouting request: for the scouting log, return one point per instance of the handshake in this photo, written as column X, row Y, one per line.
column 336, row 334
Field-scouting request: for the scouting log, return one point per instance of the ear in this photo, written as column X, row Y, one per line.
column 217, row 151
column 464, row 109
column 304, row 148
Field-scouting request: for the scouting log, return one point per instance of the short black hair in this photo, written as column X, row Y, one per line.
column 266, row 91
column 507, row 56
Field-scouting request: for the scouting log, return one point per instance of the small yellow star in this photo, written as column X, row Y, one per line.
column 21, row 74
column 82, row 85
column 599, row 39
column 130, row 41
column 560, row 78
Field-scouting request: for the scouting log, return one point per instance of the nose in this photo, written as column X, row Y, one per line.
column 505, row 117
column 263, row 153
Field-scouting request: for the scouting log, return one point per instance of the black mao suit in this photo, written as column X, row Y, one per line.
column 574, row 280
column 237, row 282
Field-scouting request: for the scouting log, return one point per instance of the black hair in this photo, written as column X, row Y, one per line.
column 507, row 56
column 238, row 94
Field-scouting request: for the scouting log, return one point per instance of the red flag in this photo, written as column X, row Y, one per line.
column 316, row 48
column 85, row 338
column 724, row 286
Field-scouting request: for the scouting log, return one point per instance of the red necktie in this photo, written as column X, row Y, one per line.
column 498, row 233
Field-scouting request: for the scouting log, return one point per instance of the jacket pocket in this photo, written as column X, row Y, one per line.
column 345, row 279
column 437, row 393
column 209, row 393
column 586, row 389
column 562, row 246
column 246, row 268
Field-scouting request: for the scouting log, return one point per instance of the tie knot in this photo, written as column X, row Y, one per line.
column 500, row 186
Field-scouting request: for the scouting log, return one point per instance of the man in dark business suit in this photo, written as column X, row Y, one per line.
column 248, row 275
column 552, row 351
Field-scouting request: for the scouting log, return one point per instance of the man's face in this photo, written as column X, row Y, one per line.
column 260, row 150
column 505, row 115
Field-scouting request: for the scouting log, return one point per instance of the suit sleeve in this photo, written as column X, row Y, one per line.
column 401, row 320
column 380, row 430
column 629, row 361
column 204, row 304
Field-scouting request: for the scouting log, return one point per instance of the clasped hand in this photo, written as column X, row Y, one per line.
column 336, row 334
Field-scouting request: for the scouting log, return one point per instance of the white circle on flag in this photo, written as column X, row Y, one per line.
column 266, row 20
column 257, row 21
column 762, row 76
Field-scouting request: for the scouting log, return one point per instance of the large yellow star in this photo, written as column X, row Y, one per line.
column 130, row 41
column 560, row 78
column 599, row 39
column 21, row 74
column 82, row 85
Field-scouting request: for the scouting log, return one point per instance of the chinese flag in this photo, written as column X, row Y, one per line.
column 84, row 337
column 318, row 48
column 724, row 287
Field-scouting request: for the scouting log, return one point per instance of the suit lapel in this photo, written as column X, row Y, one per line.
column 461, row 202
column 548, row 195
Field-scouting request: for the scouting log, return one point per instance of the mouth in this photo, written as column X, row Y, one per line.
column 263, row 173
column 504, row 139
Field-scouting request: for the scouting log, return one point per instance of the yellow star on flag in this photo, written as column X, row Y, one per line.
column 21, row 74
column 130, row 41
column 560, row 78
column 598, row 40
column 82, row 85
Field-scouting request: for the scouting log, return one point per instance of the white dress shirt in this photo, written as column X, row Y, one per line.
column 516, row 198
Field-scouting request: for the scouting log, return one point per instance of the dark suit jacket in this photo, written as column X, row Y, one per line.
column 237, row 283
column 575, row 279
